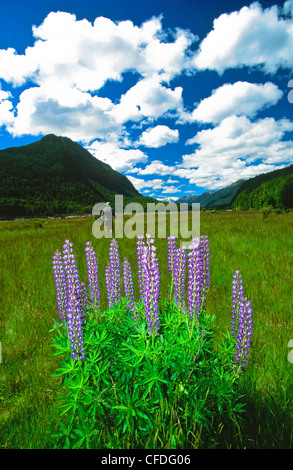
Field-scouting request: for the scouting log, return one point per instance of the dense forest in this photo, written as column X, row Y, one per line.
column 273, row 189
column 56, row 176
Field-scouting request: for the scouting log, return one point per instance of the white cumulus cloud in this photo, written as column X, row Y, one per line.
column 120, row 159
column 236, row 148
column 158, row 136
column 139, row 183
column 156, row 167
column 69, row 112
column 71, row 60
column 6, row 108
column 240, row 98
column 147, row 99
column 252, row 36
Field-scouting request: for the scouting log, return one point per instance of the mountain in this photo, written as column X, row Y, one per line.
column 273, row 189
column 168, row 200
column 214, row 199
column 56, row 176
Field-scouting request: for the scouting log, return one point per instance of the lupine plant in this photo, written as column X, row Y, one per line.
column 146, row 372
column 113, row 275
column 179, row 275
column 128, row 285
column 150, row 284
column 93, row 276
column 241, row 321
column 60, row 284
column 74, row 317
column 198, row 275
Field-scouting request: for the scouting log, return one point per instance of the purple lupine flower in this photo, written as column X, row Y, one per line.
column 237, row 298
column 195, row 278
column 241, row 323
column 113, row 275
column 151, row 286
column 198, row 274
column 139, row 251
column 74, row 306
column 245, row 326
column 128, row 285
column 60, row 284
column 83, row 299
column 206, row 263
column 93, row 275
column 180, row 258
column 171, row 240
column 108, row 285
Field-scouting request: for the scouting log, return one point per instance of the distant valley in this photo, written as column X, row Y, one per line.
column 273, row 189
column 214, row 199
column 56, row 176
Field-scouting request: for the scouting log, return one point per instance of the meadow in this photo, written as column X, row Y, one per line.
column 259, row 247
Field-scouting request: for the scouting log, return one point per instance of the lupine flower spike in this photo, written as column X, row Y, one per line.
column 139, row 251
column 74, row 306
column 151, row 285
column 60, row 284
column 108, row 285
column 83, row 299
column 237, row 298
column 195, row 278
column 180, row 258
column 241, row 321
column 206, row 265
column 113, row 275
column 198, row 275
column 243, row 342
column 93, row 275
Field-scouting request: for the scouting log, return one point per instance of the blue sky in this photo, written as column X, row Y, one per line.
column 181, row 96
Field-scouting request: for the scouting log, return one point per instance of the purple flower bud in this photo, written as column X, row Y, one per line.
column 74, row 303
column 241, row 321
column 198, row 275
column 108, row 284
column 179, row 269
column 60, row 284
column 93, row 276
column 151, row 285
column 139, row 251
column 113, row 275
column 237, row 298
column 206, row 264
column 195, row 278
column 83, row 299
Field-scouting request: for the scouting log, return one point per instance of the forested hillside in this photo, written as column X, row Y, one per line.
column 56, row 176
column 274, row 189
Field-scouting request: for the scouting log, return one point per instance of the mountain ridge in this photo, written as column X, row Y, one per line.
column 272, row 189
column 56, row 175
column 220, row 198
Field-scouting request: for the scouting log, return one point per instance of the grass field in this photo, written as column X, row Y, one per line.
column 261, row 248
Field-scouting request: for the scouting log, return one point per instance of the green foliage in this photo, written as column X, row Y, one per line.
column 274, row 189
column 266, row 211
column 56, row 176
column 175, row 390
column 29, row 412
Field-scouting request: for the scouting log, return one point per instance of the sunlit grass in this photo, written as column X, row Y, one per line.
column 261, row 249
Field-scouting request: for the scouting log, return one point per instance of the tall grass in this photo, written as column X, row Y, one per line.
column 261, row 249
